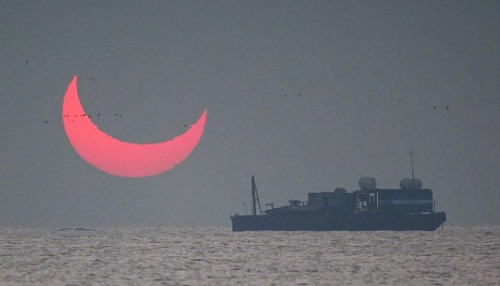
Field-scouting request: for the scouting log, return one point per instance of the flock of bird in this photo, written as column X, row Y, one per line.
column 433, row 107
column 69, row 116
column 185, row 125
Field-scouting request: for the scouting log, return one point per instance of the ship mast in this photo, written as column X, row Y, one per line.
column 412, row 163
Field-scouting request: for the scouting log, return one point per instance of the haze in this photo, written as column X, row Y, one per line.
column 307, row 96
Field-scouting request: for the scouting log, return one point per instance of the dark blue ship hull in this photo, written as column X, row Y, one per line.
column 325, row 221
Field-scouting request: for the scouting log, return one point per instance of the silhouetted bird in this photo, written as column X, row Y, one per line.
column 27, row 61
column 447, row 107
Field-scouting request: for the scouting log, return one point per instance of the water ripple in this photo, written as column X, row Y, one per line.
column 217, row 256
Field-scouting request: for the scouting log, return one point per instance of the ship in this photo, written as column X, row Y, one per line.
column 409, row 208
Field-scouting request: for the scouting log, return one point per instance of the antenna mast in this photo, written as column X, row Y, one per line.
column 412, row 163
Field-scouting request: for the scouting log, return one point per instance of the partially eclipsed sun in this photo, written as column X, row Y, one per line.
column 119, row 158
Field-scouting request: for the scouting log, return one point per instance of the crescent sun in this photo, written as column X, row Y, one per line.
column 119, row 158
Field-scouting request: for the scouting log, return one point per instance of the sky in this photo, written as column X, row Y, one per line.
column 307, row 96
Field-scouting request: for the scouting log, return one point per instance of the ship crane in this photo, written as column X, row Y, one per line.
column 255, row 198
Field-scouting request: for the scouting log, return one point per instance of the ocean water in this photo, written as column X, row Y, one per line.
column 217, row 256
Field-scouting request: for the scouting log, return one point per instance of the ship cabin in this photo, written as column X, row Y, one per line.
column 410, row 198
column 339, row 200
column 403, row 201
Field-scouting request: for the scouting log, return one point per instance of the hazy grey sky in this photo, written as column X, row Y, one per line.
column 365, row 82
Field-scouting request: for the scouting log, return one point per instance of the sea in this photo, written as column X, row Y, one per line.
column 454, row 255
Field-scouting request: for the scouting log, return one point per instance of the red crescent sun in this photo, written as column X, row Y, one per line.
column 119, row 158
